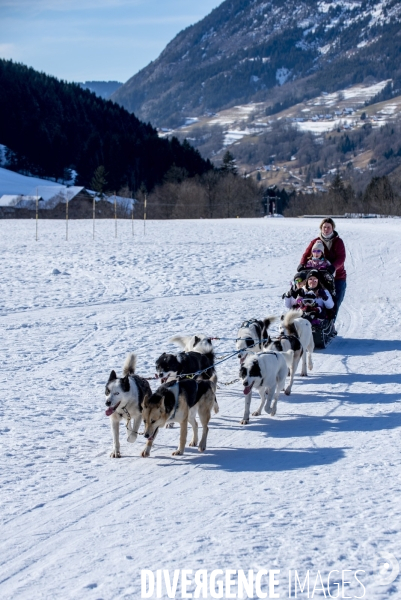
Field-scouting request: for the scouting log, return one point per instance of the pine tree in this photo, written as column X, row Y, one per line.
column 228, row 164
column 99, row 181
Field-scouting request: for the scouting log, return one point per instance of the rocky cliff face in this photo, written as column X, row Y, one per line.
column 254, row 50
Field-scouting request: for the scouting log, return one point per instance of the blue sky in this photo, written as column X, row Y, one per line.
column 81, row 40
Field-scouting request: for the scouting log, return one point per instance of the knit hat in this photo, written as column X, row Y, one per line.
column 318, row 245
column 314, row 273
column 300, row 275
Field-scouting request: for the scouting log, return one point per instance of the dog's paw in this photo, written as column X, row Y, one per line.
column 169, row 425
column 202, row 448
column 177, row 453
column 192, row 444
column 145, row 453
column 244, row 422
column 302, row 374
column 115, row 454
column 287, row 391
column 273, row 411
column 132, row 437
column 256, row 414
column 268, row 410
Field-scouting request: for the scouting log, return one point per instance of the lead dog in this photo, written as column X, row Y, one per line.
column 124, row 398
column 266, row 372
column 180, row 401
column 294, row 324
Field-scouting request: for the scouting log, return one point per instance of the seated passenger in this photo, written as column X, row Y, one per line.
column 323, row 297
column 310, row 308
column 298, row 283
column 317, row 259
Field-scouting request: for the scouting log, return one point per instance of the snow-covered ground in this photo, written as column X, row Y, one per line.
column 316, row 488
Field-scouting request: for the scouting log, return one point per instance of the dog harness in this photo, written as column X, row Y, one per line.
column 270, row 352
column 176, row 394
column 128, row 417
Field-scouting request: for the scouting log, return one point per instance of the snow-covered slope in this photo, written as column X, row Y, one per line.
column 17, row 184
column 316, row 488
column 277, row 51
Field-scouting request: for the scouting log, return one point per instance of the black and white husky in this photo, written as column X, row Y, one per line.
column 198, row 356
column 283, row 343
column 124, row 400
column 266, row 371
column 253, row 336
column 293, row 324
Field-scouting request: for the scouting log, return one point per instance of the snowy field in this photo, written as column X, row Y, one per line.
column 317, row 488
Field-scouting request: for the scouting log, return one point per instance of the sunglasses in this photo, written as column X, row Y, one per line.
column 308, row 301
column 314, row 251
column 298, row 280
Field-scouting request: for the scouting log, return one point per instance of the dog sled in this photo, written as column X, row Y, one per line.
column 323, row 328
column 323, row 333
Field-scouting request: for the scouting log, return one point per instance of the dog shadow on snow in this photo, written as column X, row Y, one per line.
column 362, row 347
column 268, row 459
column 358, row 392
column 299, row 426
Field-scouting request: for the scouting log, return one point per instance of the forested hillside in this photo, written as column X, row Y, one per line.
column 50, row 126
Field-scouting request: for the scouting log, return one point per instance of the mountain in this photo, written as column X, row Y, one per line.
column 280, row 51
column 104, row 89
column 50, row 127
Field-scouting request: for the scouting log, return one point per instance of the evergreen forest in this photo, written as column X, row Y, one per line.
column 51, row 128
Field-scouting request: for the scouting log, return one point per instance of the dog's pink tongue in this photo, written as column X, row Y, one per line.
column 109, row 411
column 247, row 389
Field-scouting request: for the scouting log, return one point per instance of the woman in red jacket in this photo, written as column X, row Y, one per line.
column 334, row 251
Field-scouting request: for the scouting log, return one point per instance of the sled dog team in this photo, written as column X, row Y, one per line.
column 189, row 381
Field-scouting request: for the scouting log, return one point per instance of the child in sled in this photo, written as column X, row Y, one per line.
column 317, row 259
column 314, row 299
column 318, row 262
column 310, row 308
column 298, row 283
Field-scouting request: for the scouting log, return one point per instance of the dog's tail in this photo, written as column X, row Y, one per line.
column 213, row 381
column 181, row 340
column 269, row 320
column 288, row 357
column 194, row 343
column 130, row 364
column 288, row 321
column 265, row 329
